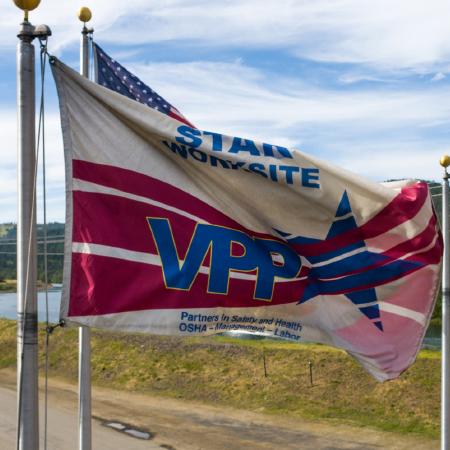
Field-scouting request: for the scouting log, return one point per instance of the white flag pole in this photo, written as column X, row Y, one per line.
column 27, row 329
column 445, row 393
column 84, row 350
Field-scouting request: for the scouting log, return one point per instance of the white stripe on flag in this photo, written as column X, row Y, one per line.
column 340, row 257
column 148, row 258
column 87, row 186
column 404, row 312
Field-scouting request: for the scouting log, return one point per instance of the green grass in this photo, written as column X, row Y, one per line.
column 225, row 371
column 8, row 285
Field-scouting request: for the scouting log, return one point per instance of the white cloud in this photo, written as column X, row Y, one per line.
column 438, row 77
column 383, row 34
column 380, row 158
column 62, row 18
column 8, row 169
column 357, row 77
column 233, row 96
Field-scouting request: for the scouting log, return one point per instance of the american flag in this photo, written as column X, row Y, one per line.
column 111, row 74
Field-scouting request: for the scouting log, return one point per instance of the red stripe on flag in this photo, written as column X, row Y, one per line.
column 121, row 222
column 145, row 186
column 180, row 118
column 422, row 240
column 112, row 291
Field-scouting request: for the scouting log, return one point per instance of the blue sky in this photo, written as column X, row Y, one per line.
column 363, row 84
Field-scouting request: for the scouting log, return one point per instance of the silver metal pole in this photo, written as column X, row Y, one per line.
column 27, row 330
column 84, row 355
column 84, row 389
column 445, row 393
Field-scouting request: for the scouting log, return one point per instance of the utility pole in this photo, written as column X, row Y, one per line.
column 27, row 330
column 445, row 373
column 84, row 340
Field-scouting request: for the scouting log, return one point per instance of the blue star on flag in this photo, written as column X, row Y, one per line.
column 350, row 269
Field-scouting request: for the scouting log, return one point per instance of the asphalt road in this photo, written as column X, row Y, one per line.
column 179, row 425
column 63, row 429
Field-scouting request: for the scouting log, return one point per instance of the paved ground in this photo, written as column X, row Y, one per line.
column 63, row 429
column 179, row 425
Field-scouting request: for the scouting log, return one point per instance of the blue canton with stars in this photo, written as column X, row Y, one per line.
column 349, row 275
column 112, row 75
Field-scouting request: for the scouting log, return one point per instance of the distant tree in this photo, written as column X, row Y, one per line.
column 8, row 248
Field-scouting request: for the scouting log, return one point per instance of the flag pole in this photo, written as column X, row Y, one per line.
column 27, row 334
column 84, row 336
column 445, row 373
column 27, row 329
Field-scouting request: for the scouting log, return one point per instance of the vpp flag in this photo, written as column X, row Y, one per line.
column 174, row 230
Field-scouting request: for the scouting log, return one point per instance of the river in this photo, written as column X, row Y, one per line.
column 8, row 305
column 8, row 309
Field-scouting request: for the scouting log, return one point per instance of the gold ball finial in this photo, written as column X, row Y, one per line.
column 445, row 161
column 27, row 5
column 84, row 14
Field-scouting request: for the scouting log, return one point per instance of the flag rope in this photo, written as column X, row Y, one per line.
column 41, row 133
column 41, row 139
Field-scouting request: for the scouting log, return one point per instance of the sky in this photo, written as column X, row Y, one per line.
column 362, row 84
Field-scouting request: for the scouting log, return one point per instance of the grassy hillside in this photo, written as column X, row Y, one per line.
column 225, row 371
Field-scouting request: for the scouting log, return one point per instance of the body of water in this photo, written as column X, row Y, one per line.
column 8, row 309
column 8, row 305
